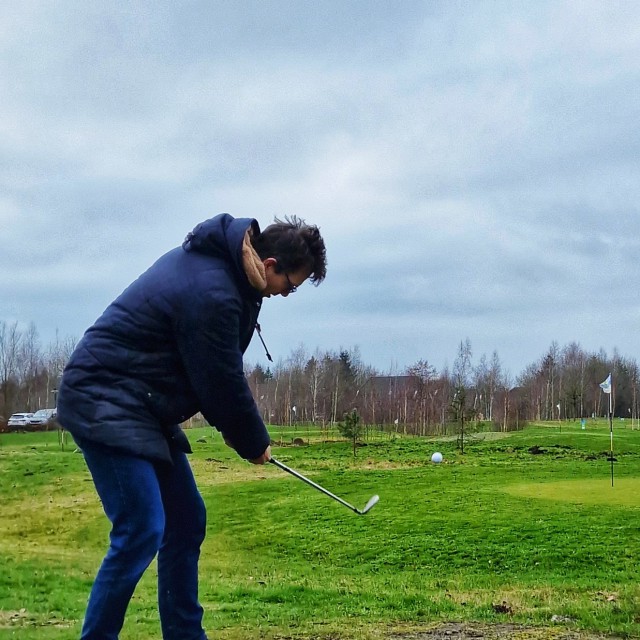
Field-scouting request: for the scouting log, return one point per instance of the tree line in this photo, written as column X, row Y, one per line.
column 563, row 384
column 29, row 371
column 323, row 387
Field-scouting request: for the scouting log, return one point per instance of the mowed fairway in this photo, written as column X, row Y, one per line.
column 523, row 528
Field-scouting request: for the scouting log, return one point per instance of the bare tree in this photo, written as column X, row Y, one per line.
column 548, row 370
column 313, row 378
column 495, row 380
column 57, row 356
column 424, row 374
column 10, row 344
column 461, row 373
column 573, row 362
column 30, row 363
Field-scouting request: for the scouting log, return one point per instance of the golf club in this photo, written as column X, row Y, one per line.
column 372, row 502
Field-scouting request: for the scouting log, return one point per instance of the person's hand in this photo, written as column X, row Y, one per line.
column 264, row 458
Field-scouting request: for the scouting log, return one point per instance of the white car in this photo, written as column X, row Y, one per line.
column 42, row 416
column 19, row 420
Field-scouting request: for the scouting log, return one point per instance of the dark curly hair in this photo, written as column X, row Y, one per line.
column 295, row 245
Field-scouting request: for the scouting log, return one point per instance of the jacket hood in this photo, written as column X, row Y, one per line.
column 221, row 237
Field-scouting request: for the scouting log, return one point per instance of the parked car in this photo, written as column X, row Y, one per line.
column 42, row 417
column 19, row 421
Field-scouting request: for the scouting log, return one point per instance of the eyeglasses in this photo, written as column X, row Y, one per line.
column 292, row 287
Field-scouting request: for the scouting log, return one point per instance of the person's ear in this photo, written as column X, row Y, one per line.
column 270, row 262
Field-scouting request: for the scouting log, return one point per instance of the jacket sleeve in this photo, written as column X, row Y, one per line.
column 208, row 335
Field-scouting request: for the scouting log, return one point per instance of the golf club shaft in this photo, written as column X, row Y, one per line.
column 313, row 484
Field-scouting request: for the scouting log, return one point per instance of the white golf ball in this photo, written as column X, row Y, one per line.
column 436, row 457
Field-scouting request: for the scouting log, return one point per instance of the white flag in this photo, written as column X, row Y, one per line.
column 606, row 385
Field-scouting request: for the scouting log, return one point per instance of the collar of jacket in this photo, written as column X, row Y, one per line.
column 253, row 265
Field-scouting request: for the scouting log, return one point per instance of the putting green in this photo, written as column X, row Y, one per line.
column 624, row 493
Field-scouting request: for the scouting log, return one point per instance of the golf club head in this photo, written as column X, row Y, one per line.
column 372, row 503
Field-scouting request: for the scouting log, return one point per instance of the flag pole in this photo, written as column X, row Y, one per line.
column 607, row 387
column 611, row 432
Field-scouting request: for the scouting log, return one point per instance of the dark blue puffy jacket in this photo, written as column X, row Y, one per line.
column 169, row 346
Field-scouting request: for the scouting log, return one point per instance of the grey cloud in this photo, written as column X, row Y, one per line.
column 472, row 165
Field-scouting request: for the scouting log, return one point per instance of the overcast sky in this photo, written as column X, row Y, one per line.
column 473, row 166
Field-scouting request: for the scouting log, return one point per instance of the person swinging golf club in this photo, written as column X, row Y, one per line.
column 168, row 347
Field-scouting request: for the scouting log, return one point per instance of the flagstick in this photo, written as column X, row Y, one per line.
column 611, row 432
column 607, row 387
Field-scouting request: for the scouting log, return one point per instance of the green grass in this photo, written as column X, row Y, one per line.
column 534, row 535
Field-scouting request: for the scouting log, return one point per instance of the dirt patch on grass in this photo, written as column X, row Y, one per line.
column 473, row 631
column 213, row 471
column 22, row 618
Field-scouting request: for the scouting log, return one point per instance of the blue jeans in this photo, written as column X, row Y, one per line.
column 154, row 508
